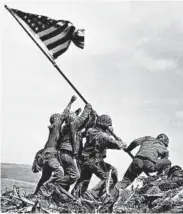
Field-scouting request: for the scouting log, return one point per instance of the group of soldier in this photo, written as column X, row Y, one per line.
column 76, row 149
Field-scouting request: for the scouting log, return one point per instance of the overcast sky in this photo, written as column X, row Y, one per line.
column 131, row 68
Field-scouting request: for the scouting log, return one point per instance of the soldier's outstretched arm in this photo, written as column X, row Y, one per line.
column 136, row 143
column 111, row 143
column 58, row 119
column 66, row 111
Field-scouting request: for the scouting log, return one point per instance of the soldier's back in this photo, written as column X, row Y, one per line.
column 151, row 148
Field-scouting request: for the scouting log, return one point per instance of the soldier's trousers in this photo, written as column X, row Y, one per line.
column 140, row 165
column 101, row 170
column 71, row 171
column 52, row 171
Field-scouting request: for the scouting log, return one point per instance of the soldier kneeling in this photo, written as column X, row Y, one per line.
column 151, row 157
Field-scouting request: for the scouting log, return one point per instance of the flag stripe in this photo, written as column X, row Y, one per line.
column 54, row 33
column 81, row 38
column 47, row 31
column 54, row 39
column 63, row 40
column 60, row 47
column 57, row 54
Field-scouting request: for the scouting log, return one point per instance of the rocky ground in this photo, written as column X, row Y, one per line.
column 158, row 194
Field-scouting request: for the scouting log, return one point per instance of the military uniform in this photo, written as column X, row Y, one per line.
column 69, row 145
column 99, row 189
column 97, row 141
column 49, row 157
column 146, row 159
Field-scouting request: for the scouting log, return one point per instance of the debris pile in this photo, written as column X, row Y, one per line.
column 14, row 201
column 159, row 194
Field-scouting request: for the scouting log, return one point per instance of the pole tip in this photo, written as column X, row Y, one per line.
column 5, row 6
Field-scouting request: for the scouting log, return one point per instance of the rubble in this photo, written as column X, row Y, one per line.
column 159, row 194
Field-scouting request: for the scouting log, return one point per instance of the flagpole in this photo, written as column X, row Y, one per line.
column 70, row 83
column 48, row 57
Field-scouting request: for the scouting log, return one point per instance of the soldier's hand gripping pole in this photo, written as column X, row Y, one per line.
column 112, row 133
column 129, row 153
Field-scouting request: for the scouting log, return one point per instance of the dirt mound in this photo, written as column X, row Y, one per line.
column 159, row 194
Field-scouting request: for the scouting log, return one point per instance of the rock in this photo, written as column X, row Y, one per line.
column 144, row 189
column 124, row 209
column 123, row 196
column 179, row 181
column 153, row 193
column 177, row 210
column 156, row 202
column 163, row 207
column 168, row 185
column 178, row 197
column 153, row 190
column 175, row 172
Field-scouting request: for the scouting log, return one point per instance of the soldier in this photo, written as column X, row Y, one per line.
column 69, row 143
column 97, row 141
column 147, row 158
column 49, row 155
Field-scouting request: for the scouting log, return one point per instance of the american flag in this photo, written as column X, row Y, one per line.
column 55, row 34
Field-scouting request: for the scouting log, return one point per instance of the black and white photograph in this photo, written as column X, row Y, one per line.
column 91, row 106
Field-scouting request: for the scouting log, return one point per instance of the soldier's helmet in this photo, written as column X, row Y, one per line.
column 104, row 120
column 55, row 117
column 163, row 138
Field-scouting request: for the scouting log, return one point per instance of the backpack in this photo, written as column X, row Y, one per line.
column 38, row 162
